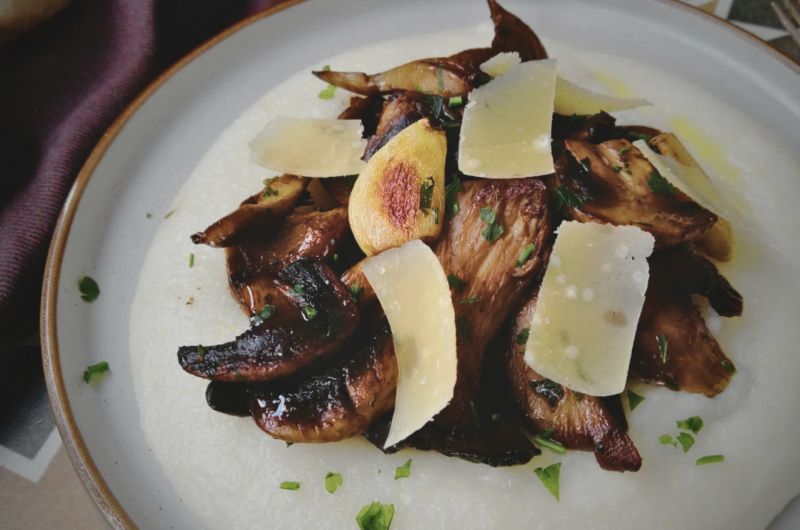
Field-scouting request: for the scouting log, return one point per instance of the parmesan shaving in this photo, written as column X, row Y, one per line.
column 572, row 99
column 413, row 290
column 501, row 63
column 310, row 147
column 582, row 331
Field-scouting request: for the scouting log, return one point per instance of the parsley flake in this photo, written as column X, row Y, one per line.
column 455, row 101
column 356, row 291
column 376, row 516
column 525, row 255
column 660, row 185
column 549, row 477
column 623, row 151
column 259, row 318
column 522, row 336
column 328, row 92
column 638, row 136
column 440, row 79
column 191, row 260
column 332, row 481
column 586, row 164
column 567, row 197
column 169, row 214
column 470, row 300
column 309, row 312
column 694, row 424
column 450, row 203
column 686, row 441
column 95, row 372
column 455, row 282
column 89, row 289
column 493, row 230
column 297, row 290
column 634, row 400
column 426, row 195
column 662, row 347
column 268, row 191
column 148, row 215
column 403, row 471
column 435, row 215
column 291, row 486
column 728, row 366
column 666, row 439
column 617, row 169
column 289, row 444
column 463, row 329
column 544, row 440
column 713, row 459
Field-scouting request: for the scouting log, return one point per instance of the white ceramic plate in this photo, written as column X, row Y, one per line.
column 146, row 156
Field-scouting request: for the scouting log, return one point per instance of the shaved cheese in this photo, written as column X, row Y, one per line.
column 501, row 63
column 693, row 182
column 572, row 99
column 413, row 290
column 310, row 147
column 582, row 331
column 506, row 127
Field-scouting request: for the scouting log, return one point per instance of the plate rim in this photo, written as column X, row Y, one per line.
column 71, row 436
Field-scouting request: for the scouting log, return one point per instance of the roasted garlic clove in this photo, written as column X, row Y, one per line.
column 400, row 195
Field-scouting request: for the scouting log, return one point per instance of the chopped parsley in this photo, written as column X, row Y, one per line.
column 89, row 289
column 728, row 366
column 335, row 259
column 525, row 255
column 191, row 260
column 660, row 185
column 440, row 79
column 634, row 400
column 694, row 424
column 334, row 325
column 148, row 215
column 169, row 214
column 201, row 353
column 356, row 291
column 259, row 318
column 586, row 164
column 289, row 444
column 522, row 336
column 450, row 203
column 268, row 191
column 291, row 486
column 426, row 195
column 455, row 101
column 435, row 215
column 686, row 441
column 638, row 136
column 297, row 290
column 403, row 471
column 493, row 230
column 309, row 312
column 566, row 196
column 376, row 516
column 95, row 372
column 549, row 477
column 544, row 441
column 666, row 439
column 476, row 417
column 332, row 481
column 714, row 459
column 463, row 329
column 455, row 282
column 662, row 346
column 623, row 151
column 470, row 300
column 617, row 169
column 328, row 92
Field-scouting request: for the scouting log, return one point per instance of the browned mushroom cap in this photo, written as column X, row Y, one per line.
column 493, row 283
column 313, row 235
column 694, row 360
column 262, row 211
column 459, row 73
column 356, row 281
column 307, row 313
column 332, row 403
column 580, row 421
column 613, row 177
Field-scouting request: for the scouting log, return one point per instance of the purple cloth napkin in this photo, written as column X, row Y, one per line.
column 61, row 87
